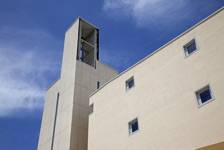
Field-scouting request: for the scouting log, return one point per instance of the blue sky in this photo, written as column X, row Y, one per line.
column 31, row 45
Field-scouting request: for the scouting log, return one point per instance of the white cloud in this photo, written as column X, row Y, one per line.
column 147, row 12
column 25, row 66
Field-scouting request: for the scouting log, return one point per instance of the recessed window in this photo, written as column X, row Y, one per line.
column 98, row 84
column 190, row 47
column 133, row 126
column 91, row 108
column 204, row 95
column 130, row 83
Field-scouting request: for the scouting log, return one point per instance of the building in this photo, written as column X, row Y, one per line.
column 172, row 99
column 65, row 117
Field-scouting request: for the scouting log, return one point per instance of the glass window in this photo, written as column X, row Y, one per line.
column 204, row 95
column 133, row 126
column 190, row 47
column 98, row 84
column 130, row 83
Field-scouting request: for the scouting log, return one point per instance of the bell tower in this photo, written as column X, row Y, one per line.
column 66, row 110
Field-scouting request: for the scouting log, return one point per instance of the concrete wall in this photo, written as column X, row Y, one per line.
column 217, row 146
column 163, row 98
column 78, row 80
column 65, row 105
column 85, row 83
column 47, row 125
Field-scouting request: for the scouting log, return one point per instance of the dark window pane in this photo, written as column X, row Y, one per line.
column 205, row 96
column 130, row 83
column 98, row 84
column 190, row 47
column 134, row 126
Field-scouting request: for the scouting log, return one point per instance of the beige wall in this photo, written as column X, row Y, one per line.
column 77, row 82
column 164, row 98
column 65, row 105
column 85, row 83
column 46, row 132
column 217, row 146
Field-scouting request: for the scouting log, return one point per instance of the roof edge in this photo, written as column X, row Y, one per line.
column 163, row 46
column 81, row 19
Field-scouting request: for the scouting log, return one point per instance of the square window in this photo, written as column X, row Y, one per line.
column 204, row 95
column 130, row 83
column 133, row 126
column 190, row 47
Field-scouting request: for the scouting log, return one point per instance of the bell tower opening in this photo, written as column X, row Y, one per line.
column 88, row 49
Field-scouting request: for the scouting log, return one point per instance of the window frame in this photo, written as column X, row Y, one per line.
column 127, row 83
column 198, row 92
column 130, row 123
column 187, row 54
